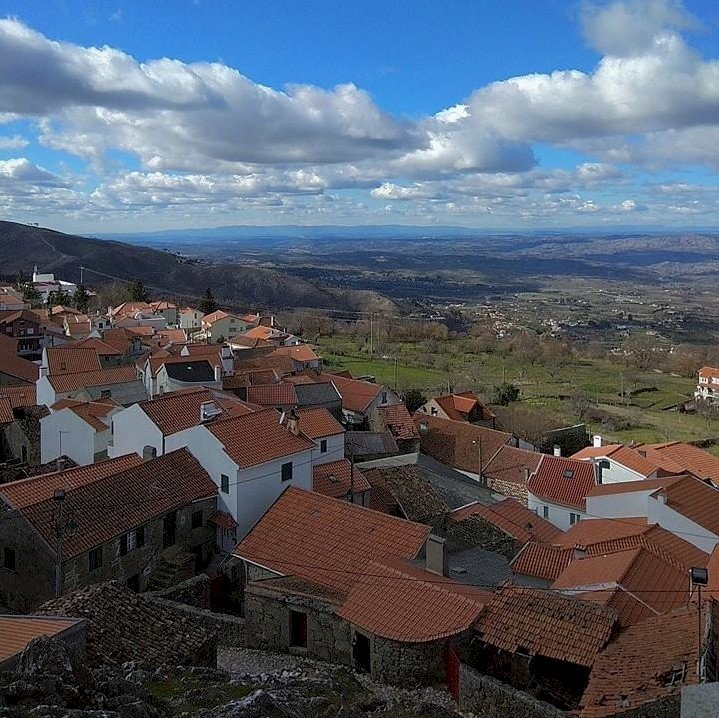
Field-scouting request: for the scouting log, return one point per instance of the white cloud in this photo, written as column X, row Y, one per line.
column 15, row 142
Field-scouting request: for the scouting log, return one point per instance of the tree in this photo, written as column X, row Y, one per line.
column 207, row 304
column 640, row 348
column 136, row 291
column 81, row 298
column 708, row 409
column 505, row 393
column 31, row 296
column 413, row 399
column 55, row 298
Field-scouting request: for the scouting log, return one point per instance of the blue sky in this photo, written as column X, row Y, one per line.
column 131, row 116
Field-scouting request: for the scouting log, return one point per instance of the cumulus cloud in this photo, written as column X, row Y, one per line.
column 20, row 170
column 15, row 142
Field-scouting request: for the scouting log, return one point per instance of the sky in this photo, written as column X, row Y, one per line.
column 134, row 116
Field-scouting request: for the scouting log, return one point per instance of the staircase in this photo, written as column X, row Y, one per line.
column 170, row 570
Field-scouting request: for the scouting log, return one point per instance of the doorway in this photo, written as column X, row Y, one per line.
column 169, row 529
column 362, row 653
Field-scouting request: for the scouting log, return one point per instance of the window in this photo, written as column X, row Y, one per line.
column 9, row 559
column 95, row 558
column 140, row 537
column 384, row 397
column 224, row 483
column 123, row 545
column 287, row 471
column 568, row 473
column 196, row 519
column 433, row 411
column 323, row 446
column 573, row 519
column 545, row 509
column 298, row 629
column 105, row 393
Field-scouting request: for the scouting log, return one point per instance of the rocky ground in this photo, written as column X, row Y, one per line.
column 251, row 684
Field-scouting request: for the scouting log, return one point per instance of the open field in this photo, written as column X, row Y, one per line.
column 643, row 418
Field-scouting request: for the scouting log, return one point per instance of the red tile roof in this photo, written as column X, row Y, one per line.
column 458, row 406
column 696, row 500
column 398, row 421
column 457, row 443
column 623, row 487
column 562, row 481
column 214, row 316
column 356, row 394
column 223, row 520
column 336, row 479
column 102, row 349
column 326, row 540
column 629, row 608
column 636, row 668
column 71, row 359
column 318, row 423
column 93, row 413
column 546, row 623
column 709, row 372
column 643, row 460
column 691, row 459
column 20, row 395
column 13, row 365
column 514, row 519
column 393, row 602
column 101, row 377
column 300, row 353
column 591, row 530
column 644, row 573
column 542, row 560
column 25, row 492
column 258, row 437
column 179, row 410
column 512, row 465
column 273, row 394
column 107, row 507
column 17, row 631
column 6, row 414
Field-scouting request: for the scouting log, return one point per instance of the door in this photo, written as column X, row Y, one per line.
column 169, row 529
column 361, row 652
column 453, row 673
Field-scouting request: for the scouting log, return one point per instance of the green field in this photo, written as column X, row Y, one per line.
column 545, row 387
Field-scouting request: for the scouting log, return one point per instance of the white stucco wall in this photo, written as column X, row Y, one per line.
column 45, row 393
column 132, row 431
column 617, row 506
column 617, row 473
column 680, row 525
column 559, row 516
column 78, row 438
column 335, row 449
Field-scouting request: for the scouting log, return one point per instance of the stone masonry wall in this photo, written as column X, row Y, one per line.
column 485, row 695
column 194, row 591
column 668, row 707
column 268, row 625
column 408, row 664
column 476, row 532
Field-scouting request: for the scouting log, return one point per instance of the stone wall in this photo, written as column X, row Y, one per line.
column 475, row 532
column 193, row 592
column 408, row 664
column 485, row 695
column 509, row 488
column 668, row 707
column 268, row 625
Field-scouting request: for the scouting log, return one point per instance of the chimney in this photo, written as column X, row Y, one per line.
column 579, row 553
column 218, row 373
column 557, row 450
column 436, row 555
column 597, row 441
column 662, row 496
column 209, row 410
column 293, row 423
column 526, row 474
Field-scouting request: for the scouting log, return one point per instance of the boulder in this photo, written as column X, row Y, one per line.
column 45, row 656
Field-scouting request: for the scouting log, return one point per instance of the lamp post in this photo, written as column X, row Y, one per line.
column 478, row 443
column 699, row 577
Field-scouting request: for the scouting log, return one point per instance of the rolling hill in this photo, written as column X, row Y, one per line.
column 22, row 247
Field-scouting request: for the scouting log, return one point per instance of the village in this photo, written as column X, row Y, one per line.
column 211, row 466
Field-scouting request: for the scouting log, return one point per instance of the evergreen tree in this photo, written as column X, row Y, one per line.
column 31, row 296
column 81, row 299
column 136, row 291
column 207, row 304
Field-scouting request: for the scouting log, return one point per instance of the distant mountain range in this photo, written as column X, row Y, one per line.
column 22, row 247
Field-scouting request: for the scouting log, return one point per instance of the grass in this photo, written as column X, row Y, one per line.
column 191, row 696
column 453, row 363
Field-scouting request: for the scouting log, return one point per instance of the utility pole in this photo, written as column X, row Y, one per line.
column 395, row 373
column 371, row 333
column 478, row 443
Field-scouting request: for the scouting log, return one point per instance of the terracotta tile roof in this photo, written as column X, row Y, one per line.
column 130, row 308
column 20, row 395
column 140, row 331
column 72, row 359
column 273, row 394
column 112, row 505
column 318, row 423
column 512, row 465
column 17, row 631
column 514, row 519
column 392, row 603
column 458, row 406
column 299, row 353
column 101, row 348
column 171, row 336
column 636, row 668
column 214, row 317
column 94, row 413
column 356, row 394
column 223, row 520
column 179, row 410
column 13, row 365
column 456, row 443
column 628, row 607
column 25, row 492
column 100, row 377
column 542, row 560
column 326, row 540
column 263, row 332
column 709, row 372
column 546, row 623
column 334, row 479
column 6, row 415
column 592, row 530
column 596, row 452
column 258, row 437
column 623, row 487
column 643, row 460
column 690, row 458
column 695, row 500
column 562, row 481
column 644, row 573
column 413, row 495
column 398, row 421
column 381, row 498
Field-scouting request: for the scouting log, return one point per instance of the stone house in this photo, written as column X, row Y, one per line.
column 365, row 603
column 13, row 368
column 460, row 407
column 398, row 421
column 121, row 519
